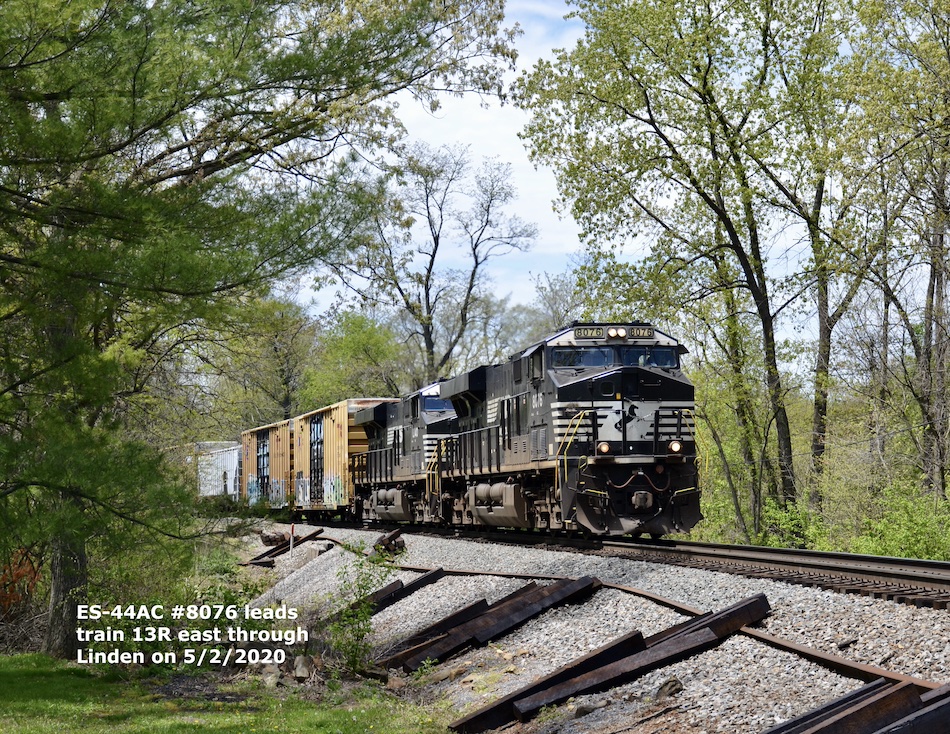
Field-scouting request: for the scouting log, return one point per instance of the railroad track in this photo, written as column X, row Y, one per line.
column 889, row 702
column 919, row 583
column 904, row 580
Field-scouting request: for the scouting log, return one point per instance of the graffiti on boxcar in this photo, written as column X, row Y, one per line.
column 333, row 492
column 253, row 490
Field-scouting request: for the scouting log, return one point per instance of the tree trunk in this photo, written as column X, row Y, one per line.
column 819, row 425
column 783, row 431
column 750, row 433
column 933, row 364
column 68, row 583
column 733, row 490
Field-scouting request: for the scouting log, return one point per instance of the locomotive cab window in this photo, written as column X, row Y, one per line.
column 433, row 403
column 580, row 357
column 649, row 357
column 537, row 365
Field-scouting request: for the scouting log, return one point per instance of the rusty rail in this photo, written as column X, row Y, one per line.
column 892, row 703
column 615, row 664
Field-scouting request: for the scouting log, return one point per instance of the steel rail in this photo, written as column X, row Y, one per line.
column 923, row 574
column 922, row 583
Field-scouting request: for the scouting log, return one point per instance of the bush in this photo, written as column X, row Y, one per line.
column 348, row 632
column 791, row 527
column 908, row 524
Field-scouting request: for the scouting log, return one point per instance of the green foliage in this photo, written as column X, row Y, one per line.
column 425, row 669
column 906, row 523
column 792, row 526
column 348, row 631
column 164, row 161
column 254, row 366
column 42, row 696
column 355, row 357
column 700, row 138
column 152, row 572
column 216, row 578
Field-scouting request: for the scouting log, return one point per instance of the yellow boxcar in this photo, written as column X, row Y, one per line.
column 324, row 441
column 267, row 456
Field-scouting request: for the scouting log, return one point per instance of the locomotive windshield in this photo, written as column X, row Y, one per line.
column 433, row 403
column 633, row 356
column 648, row 356
column 582, row 357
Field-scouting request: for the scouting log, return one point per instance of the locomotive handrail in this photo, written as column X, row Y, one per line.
column 472, row 453
column 572, row 427
column 433, row 474
column 695, row 434
column 571, row 431
column 366, row 468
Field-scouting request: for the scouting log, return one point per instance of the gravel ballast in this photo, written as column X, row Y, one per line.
column 740, row 686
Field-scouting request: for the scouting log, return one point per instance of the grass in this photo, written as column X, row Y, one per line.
column 40, row 695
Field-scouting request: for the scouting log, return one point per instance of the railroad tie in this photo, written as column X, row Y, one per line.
column 880, row 707
column 501, row 618
column 611, row 666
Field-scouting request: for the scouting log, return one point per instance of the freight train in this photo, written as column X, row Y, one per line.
column 590, row 429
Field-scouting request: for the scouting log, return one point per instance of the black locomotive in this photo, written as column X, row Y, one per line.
column 591, row 429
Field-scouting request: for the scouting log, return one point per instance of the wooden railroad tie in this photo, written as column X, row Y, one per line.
column 880, row 707
column 267, row 557
column 616, row 663
column 389, row 544
column 501, row 618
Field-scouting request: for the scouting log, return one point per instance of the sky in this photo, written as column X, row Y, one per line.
column 491, row 130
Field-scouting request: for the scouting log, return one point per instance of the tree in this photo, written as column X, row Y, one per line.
column 559, row 296
column 427, row 255
column 355, row 357
column 255, row 368
column 163, row 159
column 693, row 131
column 716, row 320
column 901, row 72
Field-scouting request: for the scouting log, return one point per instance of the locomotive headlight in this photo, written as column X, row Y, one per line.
column 612, row 332
column 603, row 448
column 622, row 333
column 675, row 447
